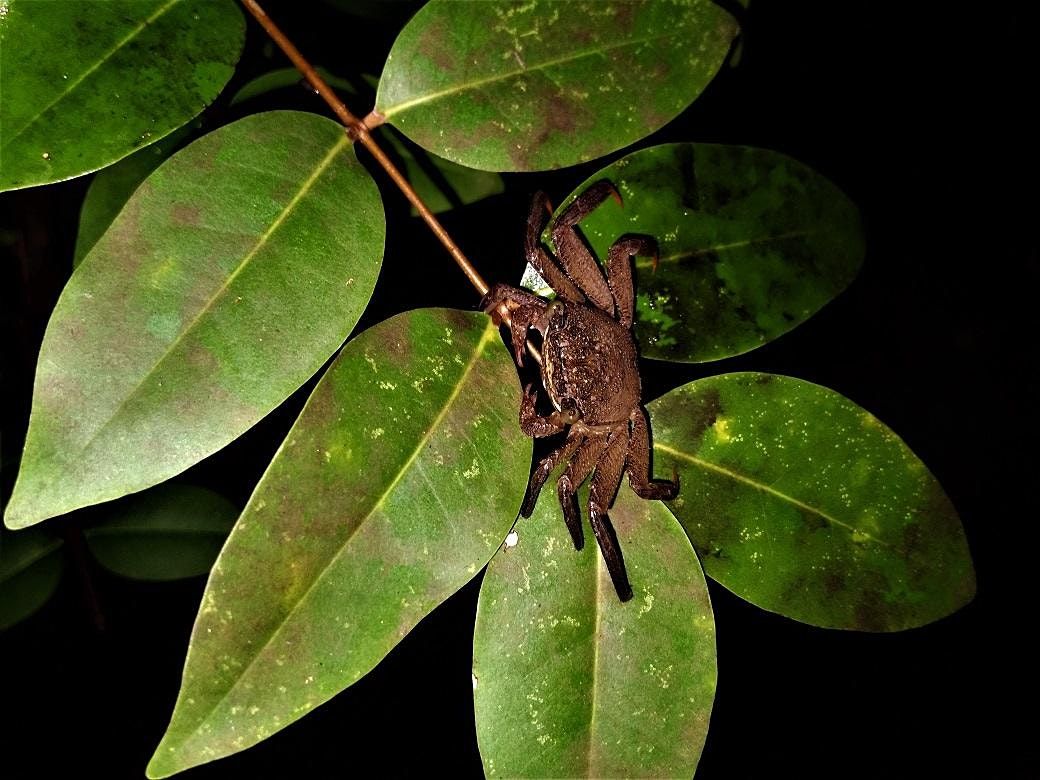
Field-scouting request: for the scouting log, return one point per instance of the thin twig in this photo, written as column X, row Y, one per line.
column 358, row 130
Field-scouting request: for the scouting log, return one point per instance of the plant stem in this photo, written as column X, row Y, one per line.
column 358, row 130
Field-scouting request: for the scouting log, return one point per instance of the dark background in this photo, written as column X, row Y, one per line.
column 917, row 111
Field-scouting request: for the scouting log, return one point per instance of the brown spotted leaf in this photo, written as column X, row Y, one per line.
column 87, row 83
column 394, row 487
column 804, row 504
column 570, row 682
column 504, row 85
column 233, row 273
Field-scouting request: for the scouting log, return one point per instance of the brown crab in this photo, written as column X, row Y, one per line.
column 590, row 372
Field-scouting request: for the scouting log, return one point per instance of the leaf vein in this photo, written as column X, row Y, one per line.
column 705, row 464
column 83, row 76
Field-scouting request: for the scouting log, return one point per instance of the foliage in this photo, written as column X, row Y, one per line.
column 217, row 274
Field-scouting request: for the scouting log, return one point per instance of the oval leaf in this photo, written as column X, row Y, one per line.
column 112, row 188
column 570, row 682
column 30, row 569
column 397, row 483
column 167, row 533
column 86, row 84
column 508, row 86
column 231, row 276
column 804, row 504
column 751, row 243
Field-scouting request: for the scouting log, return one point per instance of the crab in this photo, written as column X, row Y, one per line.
column 589, row 371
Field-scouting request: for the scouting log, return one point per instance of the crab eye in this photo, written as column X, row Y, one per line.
column 569, row 416
column 554, row 307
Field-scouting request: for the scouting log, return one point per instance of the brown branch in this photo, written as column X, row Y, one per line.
column 358, row 130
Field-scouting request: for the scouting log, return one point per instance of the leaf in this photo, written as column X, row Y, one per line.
column 751, row 243
column 30, row 570
column 804, row 504
column 113, row 186
column 86, row 84
column 442, row 184
column 229, row 278
column 570, row 682
column 287, row 77
column 504, row 86
column 166, row 533
column 397, row 483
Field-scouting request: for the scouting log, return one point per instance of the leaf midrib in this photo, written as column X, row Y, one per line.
column 744, row 479
column 598, row 608
column 489, row 334
column 708, row 250
column 85, row 74
column 390, row 111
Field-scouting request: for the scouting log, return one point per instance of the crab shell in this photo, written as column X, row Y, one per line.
column 589, row 364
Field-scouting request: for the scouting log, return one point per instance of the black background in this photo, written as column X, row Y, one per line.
column 918, row 112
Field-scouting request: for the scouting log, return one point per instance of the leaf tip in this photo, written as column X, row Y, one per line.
column 166, row 761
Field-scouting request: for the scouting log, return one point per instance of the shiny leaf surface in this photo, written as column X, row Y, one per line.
column 509, row 86
column 399, row 480
column 86, row 84
column 803, row 503
column 166, row 533
column 751, row 243
column 229, row 278
column 570, row 682
column 113, row 186
column 30, row 570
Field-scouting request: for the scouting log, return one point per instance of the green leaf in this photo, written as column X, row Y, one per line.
column 229, row 278
column 30, row 569
column 804, row 504
column 166, row 533
column 287, row 77
column 503, row 86
column 86, row 84
column 113, row 186
column 442, row 184
column 570, row 682
column 397, row 483
column 751, row 243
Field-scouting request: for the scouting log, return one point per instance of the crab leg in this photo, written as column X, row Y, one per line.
column 545, row 466
column 639, row 462
column 577, row 471
column 605, row 482
column 576, row 259
column 537, row 427
column 539, row 258
column 619, row 272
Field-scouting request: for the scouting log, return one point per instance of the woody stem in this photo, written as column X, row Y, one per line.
column 358, row 130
